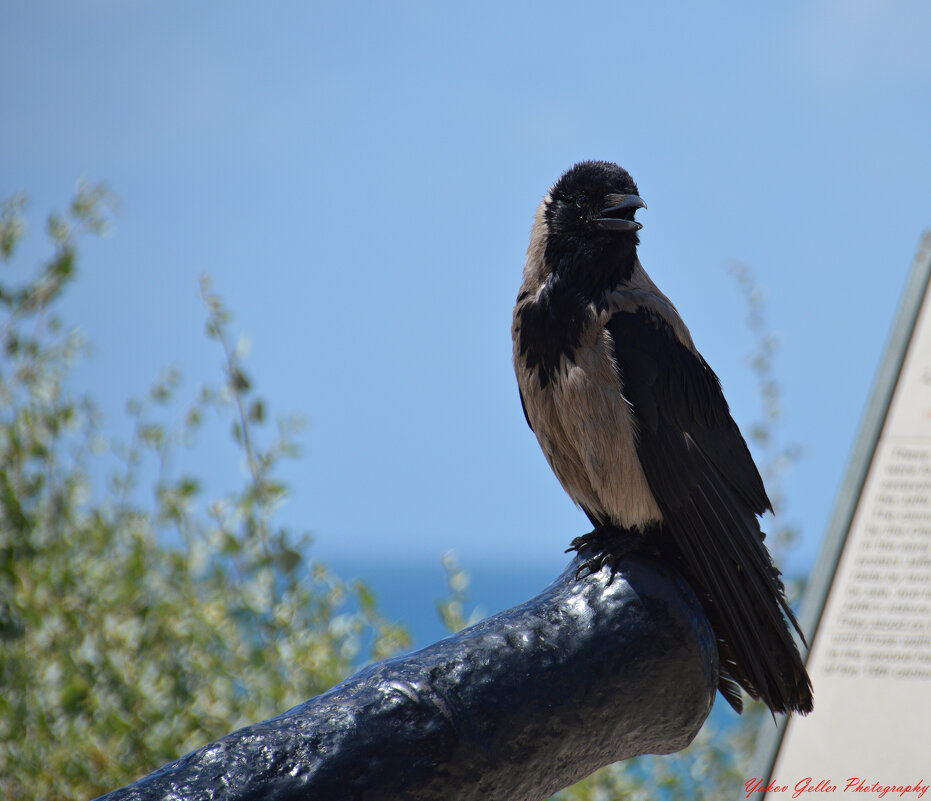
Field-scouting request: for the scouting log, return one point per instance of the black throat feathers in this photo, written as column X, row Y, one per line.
column 550, row 327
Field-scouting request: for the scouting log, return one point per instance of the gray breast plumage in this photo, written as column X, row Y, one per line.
column 587, row 432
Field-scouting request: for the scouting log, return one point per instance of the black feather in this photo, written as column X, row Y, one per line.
column 523, row 407
column 549, row 328
column 704, row 480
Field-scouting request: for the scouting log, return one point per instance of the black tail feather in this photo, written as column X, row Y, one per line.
column 740, row 646
column 744, row 599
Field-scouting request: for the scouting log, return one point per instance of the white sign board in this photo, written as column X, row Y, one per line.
column 870, row 662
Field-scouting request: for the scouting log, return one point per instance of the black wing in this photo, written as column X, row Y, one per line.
column 710, row 493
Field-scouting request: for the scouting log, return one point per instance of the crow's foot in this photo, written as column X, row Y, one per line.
column 607, row 544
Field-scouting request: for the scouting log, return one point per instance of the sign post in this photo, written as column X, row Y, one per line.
column 867, row 609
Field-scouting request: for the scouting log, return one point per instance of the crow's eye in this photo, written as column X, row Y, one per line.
column 581, row 201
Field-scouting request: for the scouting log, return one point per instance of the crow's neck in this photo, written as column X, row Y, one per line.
column 585, row 273
column 593, row 264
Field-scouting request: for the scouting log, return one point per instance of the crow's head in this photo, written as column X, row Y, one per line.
column 590, row 231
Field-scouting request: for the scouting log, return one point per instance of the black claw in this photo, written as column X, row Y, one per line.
column 596, row 563
column 609, row 544
column 596, row 539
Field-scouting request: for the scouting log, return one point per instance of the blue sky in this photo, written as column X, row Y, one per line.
column 360, row 180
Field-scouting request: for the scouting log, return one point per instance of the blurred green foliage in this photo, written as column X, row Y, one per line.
column 138, row 622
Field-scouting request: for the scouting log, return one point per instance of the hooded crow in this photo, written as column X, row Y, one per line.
column 634, row 424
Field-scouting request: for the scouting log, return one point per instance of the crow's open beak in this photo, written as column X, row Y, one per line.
column 613, row 218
